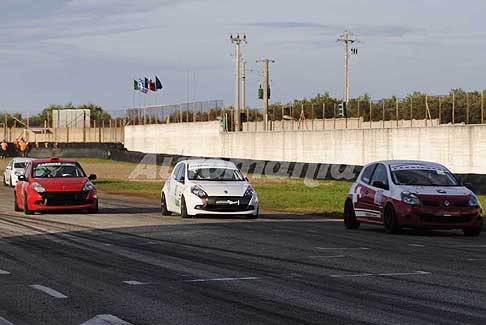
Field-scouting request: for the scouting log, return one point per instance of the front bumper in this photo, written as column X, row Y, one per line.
column 439, row 218
column 222, row 205
column 62, row 200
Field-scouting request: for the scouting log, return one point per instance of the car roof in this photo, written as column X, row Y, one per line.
column 213, row 163
column 17, row 159
column 54, row 160
column 392, row 163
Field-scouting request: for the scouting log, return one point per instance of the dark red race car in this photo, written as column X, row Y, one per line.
column 412, row 194
column 55, row 184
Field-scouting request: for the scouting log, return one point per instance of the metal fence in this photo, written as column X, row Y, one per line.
column 417, row 110
column 186, row 112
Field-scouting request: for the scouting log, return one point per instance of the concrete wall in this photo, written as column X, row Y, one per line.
column 461, row 148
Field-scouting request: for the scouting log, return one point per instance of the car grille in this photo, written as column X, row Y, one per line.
column 460, row 202
column 226, row 204
column 445, row 219
column 65, row 198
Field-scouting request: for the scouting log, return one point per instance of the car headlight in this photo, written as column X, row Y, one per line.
column 410, row 198
column 88, row 186
column 198, row 191
column 38, row 188
column 473, row 201
column 249, row 191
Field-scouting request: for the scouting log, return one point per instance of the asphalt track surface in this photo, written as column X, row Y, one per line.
column 129, row 265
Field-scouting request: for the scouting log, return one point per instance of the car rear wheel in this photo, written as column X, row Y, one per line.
column 350, row 221
column 163, row 206
column 473, row 232
column 16, row 206
column 184, row 213
column 4, row 181
column 392, row 226
column 26, row 206
column 11, row 183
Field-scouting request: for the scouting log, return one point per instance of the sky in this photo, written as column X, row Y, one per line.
column 79, row 51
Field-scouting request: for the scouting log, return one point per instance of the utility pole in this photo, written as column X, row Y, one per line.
column 266, row 89
column 237, row 41
column 346, row 39
column 243, row 90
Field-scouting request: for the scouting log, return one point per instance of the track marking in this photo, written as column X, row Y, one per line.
column 223, row 279
column 469, row 246
column 379, row 274
column 3, row 321
column 106, row 320
column 416, row 245
column 342, row 248
column 327, row 256
column 476, row 259
column 49, row 291
column 134, row 283
column 3, row 272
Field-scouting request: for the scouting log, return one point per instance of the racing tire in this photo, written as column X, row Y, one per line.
column 93, row 210
column 254, row 216
column 474, row 232
column 16, row 206
column 5, row 181
column 26, row 206
column 350, row 221
column 390, row 221
column 11, row 184
column 163, row 206
column 184, row 213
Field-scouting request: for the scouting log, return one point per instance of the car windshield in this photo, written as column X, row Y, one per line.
column 57, row 170
column 215, row 174
column 20, row 165
column 424, row 177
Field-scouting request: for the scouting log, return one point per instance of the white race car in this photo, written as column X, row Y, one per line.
column 14, row 168
column 208, row 187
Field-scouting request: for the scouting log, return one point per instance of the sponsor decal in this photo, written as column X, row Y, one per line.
column 379, row 197
column 228, row 202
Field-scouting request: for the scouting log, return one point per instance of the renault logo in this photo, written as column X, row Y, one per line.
column 446, row 203
column 226, row 191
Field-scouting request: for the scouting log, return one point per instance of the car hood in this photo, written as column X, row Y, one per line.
column 74, row 184
column 437, row 190
column 223, row 188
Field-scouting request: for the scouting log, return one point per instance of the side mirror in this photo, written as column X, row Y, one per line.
column 182, row 180
column 380, row 184
column 92, row 177
column 8, row 167
column 469, row 186
column 21, row 178
column 246, row 179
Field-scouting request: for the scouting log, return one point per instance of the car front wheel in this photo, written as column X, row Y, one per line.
column 16, row 206
column 392, row 226
column 26, row 206
column 184, row 213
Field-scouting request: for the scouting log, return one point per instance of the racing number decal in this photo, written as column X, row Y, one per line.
column 356, row 194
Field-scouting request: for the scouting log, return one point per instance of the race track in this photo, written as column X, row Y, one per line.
column 128, row 264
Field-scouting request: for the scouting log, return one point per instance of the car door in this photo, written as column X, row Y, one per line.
column 170, row 189
column 21, row 188
column 380, row 186
column 179, row 186
column 364, row 193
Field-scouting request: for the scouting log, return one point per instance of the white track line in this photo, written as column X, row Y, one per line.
column 342, row 248
column 134, row 283
column 223, row 279
column 476, row 259
column 3, row 272
column 106, row 320
column 49, row 291
column 379, row 274
column 327, row 256
column 416, row 245
column 3, row 321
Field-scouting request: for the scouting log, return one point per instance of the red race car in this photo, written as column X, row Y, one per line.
column 412, row 194
column 55, row 184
